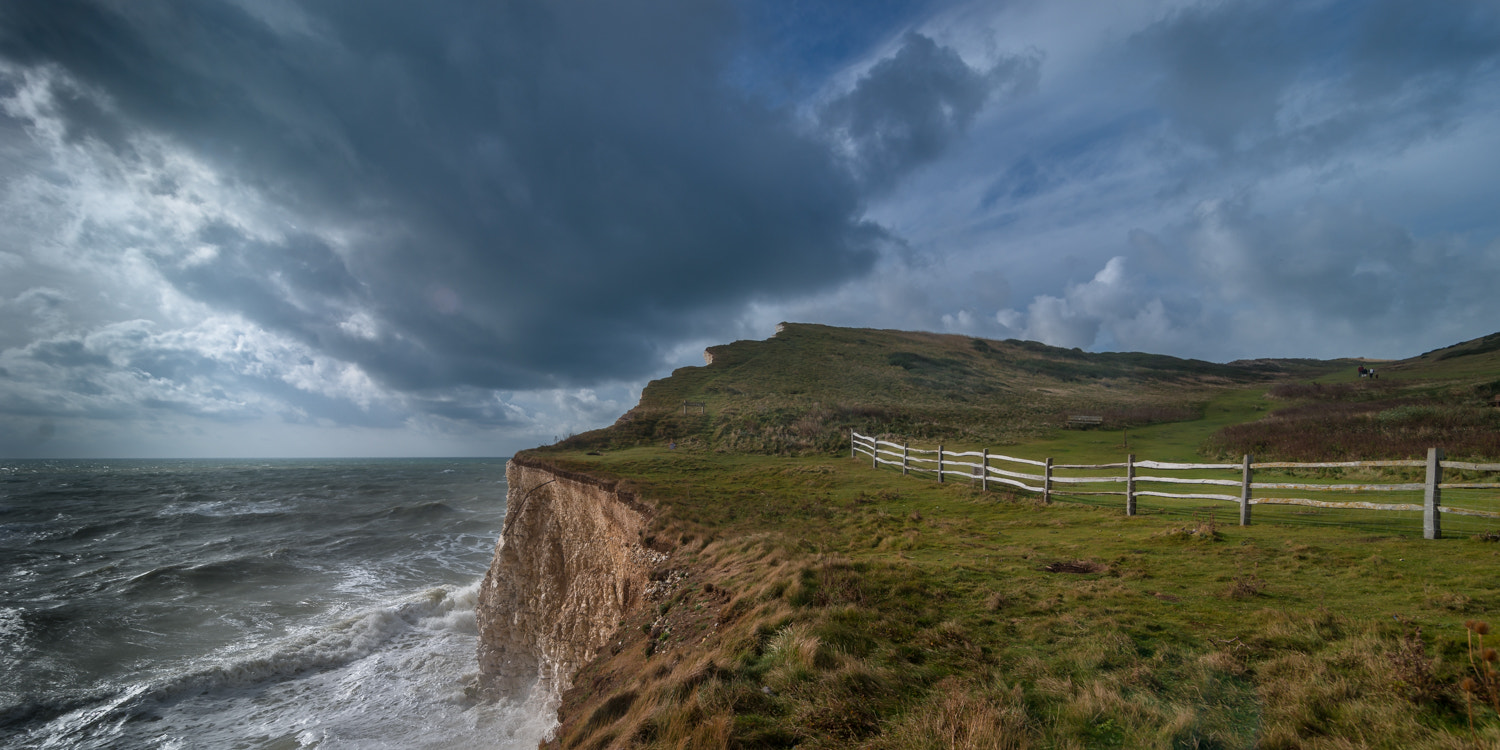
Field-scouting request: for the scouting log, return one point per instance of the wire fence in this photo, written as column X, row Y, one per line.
column 1431, row 505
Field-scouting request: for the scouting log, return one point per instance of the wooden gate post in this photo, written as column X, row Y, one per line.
column 1245, row 493
column 1432, row 496
column 940, row 462
column 1130, row 485
column 852, row 435
column 1047, row 482
column 904, row 453
column 984, row 472
column 874, row 452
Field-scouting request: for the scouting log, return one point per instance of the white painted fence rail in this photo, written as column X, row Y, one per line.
column 944, row 463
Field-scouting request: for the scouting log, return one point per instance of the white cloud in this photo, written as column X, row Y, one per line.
column 1084, row 311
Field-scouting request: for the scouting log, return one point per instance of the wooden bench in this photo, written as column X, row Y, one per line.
column 1084, row 420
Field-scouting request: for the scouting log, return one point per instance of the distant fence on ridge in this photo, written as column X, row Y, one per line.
column 945, row 463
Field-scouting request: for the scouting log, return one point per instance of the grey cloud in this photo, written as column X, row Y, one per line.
column 1430, row 50
column 469, row 406
column 1331, row 261
column 38, row 307
column 67, row 353
column 1307, row 172
column 1231, row 278
column 1022, row 180
column 571, row 182
column 130, row 370
column 909, row 107
column 296, row 285
column 1269, row 84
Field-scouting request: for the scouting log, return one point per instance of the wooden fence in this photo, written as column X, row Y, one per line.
column 945, row 463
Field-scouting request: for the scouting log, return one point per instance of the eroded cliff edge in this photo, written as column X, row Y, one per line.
column 569, row 567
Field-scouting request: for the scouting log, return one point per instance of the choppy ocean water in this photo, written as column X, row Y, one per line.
column 249, row 604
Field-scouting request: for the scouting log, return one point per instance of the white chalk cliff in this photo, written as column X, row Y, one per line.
column 569, row 567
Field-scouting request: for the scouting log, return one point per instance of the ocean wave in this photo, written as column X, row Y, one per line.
column 223, row 508
column 423, row 510
column 348, row 640
column 208, row 575
column 34, row 711
column 80, row 720
column 206, row 604
column 95, row 531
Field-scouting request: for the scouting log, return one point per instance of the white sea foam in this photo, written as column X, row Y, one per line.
column 12, row 627
column 399, row 676
column 292, row 604
column 223, row 508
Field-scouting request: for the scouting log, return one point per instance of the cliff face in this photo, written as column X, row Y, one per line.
column 568, row 568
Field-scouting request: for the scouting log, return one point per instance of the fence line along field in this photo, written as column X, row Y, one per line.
column 825, row 604
column 1480, row 516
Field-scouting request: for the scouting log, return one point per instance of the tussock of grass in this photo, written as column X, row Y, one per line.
column 959, row 716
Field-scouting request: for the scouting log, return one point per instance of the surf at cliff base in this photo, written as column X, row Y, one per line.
column 287, row 604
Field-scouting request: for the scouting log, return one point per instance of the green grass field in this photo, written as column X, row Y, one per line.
column 812, row 601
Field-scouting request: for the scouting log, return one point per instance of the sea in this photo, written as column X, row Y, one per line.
column 250, row 604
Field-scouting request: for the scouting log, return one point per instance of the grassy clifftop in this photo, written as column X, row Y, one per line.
column 811, row 601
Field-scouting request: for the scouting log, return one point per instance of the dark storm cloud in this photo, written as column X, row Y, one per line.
column 271, row 282
column 909, row 107
column 535, row 194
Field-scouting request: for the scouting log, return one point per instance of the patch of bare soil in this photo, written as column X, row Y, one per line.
column 1076, row 566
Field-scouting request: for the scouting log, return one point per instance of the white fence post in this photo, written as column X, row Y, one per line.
column 1432, row 496
column 940, row 462
column 984, row 473
column 852, row 433
column 1047, row 482
column 1245, row 492
column 874, row 452
column 904, row 453
column 1130, row 484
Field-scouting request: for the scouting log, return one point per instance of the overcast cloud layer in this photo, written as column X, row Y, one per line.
column 370, row 227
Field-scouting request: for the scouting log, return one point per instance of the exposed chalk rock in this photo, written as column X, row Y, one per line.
column 568, row 568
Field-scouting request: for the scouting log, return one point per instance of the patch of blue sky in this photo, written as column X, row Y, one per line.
column 790, row 50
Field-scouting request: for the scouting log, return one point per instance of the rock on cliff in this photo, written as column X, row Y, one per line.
column 568, row 568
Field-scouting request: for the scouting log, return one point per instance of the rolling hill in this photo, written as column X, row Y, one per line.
column 804, row 388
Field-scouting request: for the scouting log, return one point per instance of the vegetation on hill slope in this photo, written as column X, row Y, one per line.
column 802, row 390
column 1444, row 398
column 810, row 601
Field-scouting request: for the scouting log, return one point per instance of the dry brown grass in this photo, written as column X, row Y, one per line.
column 769, row 642
column 1412, row 670
column 1245, row 585
column 960, row 716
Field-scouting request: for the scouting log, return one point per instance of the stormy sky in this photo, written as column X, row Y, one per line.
column 380, row 227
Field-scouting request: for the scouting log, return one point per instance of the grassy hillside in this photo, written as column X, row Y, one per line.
column 803, row 389
column 1443, row 398
column 810, row 601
